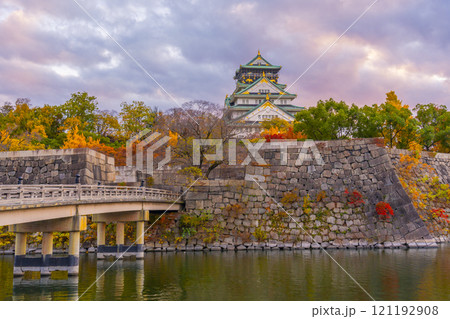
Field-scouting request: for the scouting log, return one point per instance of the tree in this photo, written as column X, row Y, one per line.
column 51, row 118
column 107, row 125
column 434, row 126
column 23, row 142
column 368, row 122
column 329, row 120
column 277, row 128
column 397, row 124
column 83, row 108
column 196, row 120
column 21, row 128
column 277, row 123
column 136, row 117
column 75, row 139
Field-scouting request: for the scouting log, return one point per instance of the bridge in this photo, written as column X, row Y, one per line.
column 64, row 208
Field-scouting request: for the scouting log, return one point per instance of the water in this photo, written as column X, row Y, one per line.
column 256, row 275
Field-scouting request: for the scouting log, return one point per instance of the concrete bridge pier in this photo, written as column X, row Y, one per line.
column 140, row 239
column 120, row 236
column 47, row 252
column 74, row 253
column 101, row 235
column 47, row 262
column 20, row 253
column 120, row 249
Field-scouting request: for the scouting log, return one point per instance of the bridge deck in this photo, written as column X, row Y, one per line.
column 29, row 203
column 12, row 196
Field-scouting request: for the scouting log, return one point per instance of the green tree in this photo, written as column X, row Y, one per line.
column 329, row 120
column 135, row 117
column 83, row 109
column 434, row 126
column 51, row 118
column 368, row 122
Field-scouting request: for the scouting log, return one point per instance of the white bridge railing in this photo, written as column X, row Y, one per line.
column 37, row 194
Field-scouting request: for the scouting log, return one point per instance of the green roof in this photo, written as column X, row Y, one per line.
column 259, row 67
column 256, row 95
column 258, row 56
column 257, row 81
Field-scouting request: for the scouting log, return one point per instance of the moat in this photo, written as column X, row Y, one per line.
column 397, row 274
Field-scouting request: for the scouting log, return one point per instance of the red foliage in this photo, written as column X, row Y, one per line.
column 284, row 135
column 384, row 210
column 354, row 197
column 440, row 213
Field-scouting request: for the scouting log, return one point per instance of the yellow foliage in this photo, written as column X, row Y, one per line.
column 173, row 138
column 78, row 140
column 271, row 131
column 416, row 149
column 22, row 143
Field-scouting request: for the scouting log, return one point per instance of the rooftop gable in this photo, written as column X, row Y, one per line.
column 258, row 60
column 266, row 82
column 265, row 108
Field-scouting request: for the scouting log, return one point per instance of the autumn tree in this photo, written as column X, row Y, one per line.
column 278, row 128
column 21, row 128
column 135, row 117
column 52, row 119
column 397, row 124
column 76, row 139
column 107, row 124
column 276, row 123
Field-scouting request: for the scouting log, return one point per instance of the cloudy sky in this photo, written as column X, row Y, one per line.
column 50, row 49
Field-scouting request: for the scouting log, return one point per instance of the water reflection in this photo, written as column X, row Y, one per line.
column 254, row 275
column 126, row 282
column 45, row 288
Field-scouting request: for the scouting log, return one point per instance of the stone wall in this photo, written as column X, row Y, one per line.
column 56, row 167
column 317, row 200
column 126, row 175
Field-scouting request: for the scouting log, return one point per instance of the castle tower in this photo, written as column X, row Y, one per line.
column 258, row 96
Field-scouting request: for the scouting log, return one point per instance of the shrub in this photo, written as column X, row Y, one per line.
column 321, row 195
column 354, row 198
column 189, row 223
column 260, row 234
column 439, row 213
column 289, row 198
column 306, row 204
column 6, row 237
column 191, row 171
column 384, row 210
column 150, row 181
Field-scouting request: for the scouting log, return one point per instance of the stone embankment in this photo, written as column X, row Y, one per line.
column 284, row 205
